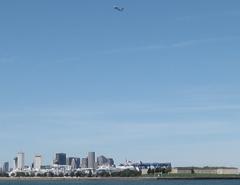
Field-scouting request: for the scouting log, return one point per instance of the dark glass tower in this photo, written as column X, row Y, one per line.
column 60, row 159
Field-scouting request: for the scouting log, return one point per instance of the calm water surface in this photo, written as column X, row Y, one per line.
column 124, row 182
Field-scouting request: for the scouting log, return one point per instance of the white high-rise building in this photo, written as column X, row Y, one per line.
column 20, row 160
column 73, row 164
column 37, row 163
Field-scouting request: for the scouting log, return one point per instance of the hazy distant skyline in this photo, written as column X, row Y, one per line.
column 156, row 82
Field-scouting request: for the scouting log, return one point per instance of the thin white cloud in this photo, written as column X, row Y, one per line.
column 5, row 60
column 134, row 49
column 115, row 109
column 152, row 47
column 209, row 16
column 179, row 44
column 176, row 127
column 200, row 108
column 203, row 41
column 235, row 13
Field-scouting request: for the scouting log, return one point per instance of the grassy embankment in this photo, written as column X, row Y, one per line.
column 194, row 176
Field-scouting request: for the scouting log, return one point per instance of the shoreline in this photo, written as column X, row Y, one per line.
column 114, row 178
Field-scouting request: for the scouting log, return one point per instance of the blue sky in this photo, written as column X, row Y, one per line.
column 156, row 82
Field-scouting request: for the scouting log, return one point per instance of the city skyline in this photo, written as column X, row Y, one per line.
column 158, row 81
column 66, row 166
column 93, row 161
column 90, row 160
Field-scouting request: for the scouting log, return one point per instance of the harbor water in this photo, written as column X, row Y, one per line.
column 120, row 182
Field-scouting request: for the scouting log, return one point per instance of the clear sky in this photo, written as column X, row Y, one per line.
column 159, row 81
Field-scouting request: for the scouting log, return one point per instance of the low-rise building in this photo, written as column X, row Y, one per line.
column 228, row 171
column 206, row 170
column 182, row 170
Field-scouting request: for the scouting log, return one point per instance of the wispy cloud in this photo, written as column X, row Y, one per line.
column 204, row 41
column 200, row 108
column 227, row 14
column 134, row 49
column 178, row 44
column 150, row 47
column 233, row 13
column 4, row 60
column 115, row 109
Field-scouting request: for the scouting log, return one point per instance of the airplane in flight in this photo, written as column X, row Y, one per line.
column 120, row 9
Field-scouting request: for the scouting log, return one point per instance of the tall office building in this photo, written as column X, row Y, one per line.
column 101, row 160
column 37, row 162
column 69, row 160
column 84, row 163
column 91, row 160
column 5, row 167
column 20, row 160
column 77, row 161
column 15, row 163
column 110, row 161
column 60, row 159
column 74, row 162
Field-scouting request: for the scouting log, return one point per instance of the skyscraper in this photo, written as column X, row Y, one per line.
column 60, row 159
column 15, row 163
column 5, row 167
column 110, row 161
column 20, row 160
column 84, row 163
column 91, row 160
column 37, row 163
column 101, row 160
column 74, row 162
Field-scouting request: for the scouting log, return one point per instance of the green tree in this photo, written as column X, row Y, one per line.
column 150, row 171
column 90, row 173
column 72, row 174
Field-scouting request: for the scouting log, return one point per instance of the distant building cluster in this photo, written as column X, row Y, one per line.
column 61, row 164
column 91, row 165
column 66, row 165
column 86, row 162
